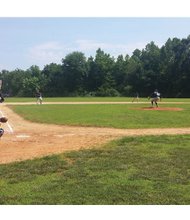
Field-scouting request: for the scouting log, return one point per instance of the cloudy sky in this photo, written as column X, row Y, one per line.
column 26, row 41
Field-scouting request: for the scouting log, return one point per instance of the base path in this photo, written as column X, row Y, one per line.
column 26, row 140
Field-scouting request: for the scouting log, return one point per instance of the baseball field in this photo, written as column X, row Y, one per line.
column 95, row 151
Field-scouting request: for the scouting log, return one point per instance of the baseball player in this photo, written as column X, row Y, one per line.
column 1, row 98
column 39, row 98
column 155, row 97
column 2, row 120
column 136, row 97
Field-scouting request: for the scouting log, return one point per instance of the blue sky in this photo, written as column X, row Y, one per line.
column 27, row 41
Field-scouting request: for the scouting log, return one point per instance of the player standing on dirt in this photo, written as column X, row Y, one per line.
column 155, row 97
column 2, row 120
column 1, row 98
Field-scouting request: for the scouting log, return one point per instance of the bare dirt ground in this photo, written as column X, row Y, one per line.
column 162, row 109
column 25, row 140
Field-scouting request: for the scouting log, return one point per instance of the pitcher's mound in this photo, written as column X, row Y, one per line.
column 162, row 108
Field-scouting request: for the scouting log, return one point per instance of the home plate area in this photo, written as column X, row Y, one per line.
column 55, row 135
column 22, row 136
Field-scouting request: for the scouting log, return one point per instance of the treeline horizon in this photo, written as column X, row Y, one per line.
column 166, row 68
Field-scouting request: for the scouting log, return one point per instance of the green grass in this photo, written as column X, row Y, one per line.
column 112, row 115
column 74, row 99
column 91, row 99
column 136, row 170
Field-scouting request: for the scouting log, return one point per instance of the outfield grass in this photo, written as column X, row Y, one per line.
column 112, row 115
column 92, row 99
column 74, row 99
column 134, row 170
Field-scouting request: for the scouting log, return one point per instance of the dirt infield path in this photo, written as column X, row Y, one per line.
column 25, row 140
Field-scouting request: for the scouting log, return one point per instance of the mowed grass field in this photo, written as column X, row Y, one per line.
column 91, row 99
column 74, row 99
column 133, row 170
column 107, row 115
column 141, row 170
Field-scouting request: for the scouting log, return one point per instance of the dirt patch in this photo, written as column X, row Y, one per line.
column 25, row 140
column 162, row 109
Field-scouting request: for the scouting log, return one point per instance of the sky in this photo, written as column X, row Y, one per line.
column 27, row 41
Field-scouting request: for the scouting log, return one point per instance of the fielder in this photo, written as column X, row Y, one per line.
column 136, row 97
column 39, row 98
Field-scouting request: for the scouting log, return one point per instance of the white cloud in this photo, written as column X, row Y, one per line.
column 91, row 45
column 53, row 51
column 3, row 67
column 47, row 52
column 113, row 49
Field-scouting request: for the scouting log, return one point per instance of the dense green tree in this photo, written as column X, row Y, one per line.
column 120, row 73
column 55, row 83
column 150, row 60
column 166, row 69
column 30, row 86
column 36, row 73
column 102, row 74
column 15, row 82
column 5, row 76
column 134, row 75
column 170, row 57
column 184, row 78
column 75, row 72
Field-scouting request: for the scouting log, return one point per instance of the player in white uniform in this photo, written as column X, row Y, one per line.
column 136, row 97
column 39, row 98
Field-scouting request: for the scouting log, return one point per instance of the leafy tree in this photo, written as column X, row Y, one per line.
column 166, row 68
column 75, row 72
column 134, row 75
column 150, row 59
column 30, row 86
column 5, row 76
column 100, row 72
column 35, row 75
column 120, row 73
column 170, row 57
column 15, row 82
column 184, row 68
column 55, row 82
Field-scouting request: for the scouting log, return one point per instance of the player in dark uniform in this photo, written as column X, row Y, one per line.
column 2, row 120
column 155, row 97
column 1, row 98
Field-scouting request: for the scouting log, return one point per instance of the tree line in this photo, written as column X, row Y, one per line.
column 166, row 69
